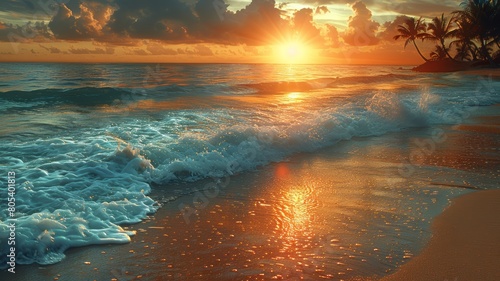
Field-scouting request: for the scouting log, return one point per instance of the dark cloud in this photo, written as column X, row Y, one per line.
column 153, row 19
column 87, row 24
column 173, row 21
column 29, row 32
column 212, row 11
column 361, row 30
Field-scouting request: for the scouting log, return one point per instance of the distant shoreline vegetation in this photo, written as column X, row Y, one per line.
column 467, row 38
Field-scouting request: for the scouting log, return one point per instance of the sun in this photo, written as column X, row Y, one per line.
column 292, row 52
column 292, row 49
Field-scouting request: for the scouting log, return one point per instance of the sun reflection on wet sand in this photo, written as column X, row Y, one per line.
column 295, row 212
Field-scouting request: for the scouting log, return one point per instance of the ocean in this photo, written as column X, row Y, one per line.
column 91, row 144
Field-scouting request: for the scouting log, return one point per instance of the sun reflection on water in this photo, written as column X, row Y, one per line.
column 294, row 216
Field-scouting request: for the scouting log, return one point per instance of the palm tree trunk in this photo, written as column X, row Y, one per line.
column 486, row 53
column 445, row 50
column 473, row 52
column 416, row 47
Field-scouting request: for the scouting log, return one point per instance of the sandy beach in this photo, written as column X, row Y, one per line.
column 464, row 245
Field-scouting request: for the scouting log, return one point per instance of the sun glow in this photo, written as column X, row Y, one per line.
column 292, row 52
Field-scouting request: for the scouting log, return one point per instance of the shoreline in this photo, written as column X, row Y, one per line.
column 315, row 215
column 449, row 66
column 464, row 245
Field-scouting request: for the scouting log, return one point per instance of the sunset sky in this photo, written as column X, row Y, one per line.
column 256, row 31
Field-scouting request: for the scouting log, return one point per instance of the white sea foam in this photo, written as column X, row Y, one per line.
column 73, row 193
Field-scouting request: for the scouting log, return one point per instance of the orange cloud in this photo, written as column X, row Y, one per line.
column 303, row 25
column 361, row 29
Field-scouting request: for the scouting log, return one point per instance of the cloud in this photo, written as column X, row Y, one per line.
column 303, row 25
column 139, row 52
column 27, row 6
column 390, row 28
column 96, row 51
column 361, row 30
column 258, row 23
column 87, row 24
column 118, row 22
column 200, row 50
column 29, row 32
column 173, row 21
column 52, row 50
column 211, row 11
column 322, row 10
column 153, row 19
column 332, row 36
column 419, row 7
column 157, row 49
column 135, row 23
column 414, row 7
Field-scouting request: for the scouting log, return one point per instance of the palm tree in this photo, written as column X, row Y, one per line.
column 496, row 22
column 440, row 30
column 484, row 16
column 465, row 34
column 411, row 30
column 439, row 53
column 463, row 53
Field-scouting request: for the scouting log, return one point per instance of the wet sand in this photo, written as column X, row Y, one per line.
column 341, row 213
column 465, row 243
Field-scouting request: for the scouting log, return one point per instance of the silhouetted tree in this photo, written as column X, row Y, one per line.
column 464, row 42
column 411, row 30
column 483, row 17
column 439, row 53
column 439, row 30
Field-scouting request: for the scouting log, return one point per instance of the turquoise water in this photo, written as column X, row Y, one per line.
column 88, row 141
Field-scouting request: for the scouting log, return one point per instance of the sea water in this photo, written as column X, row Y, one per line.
column 88, row 141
